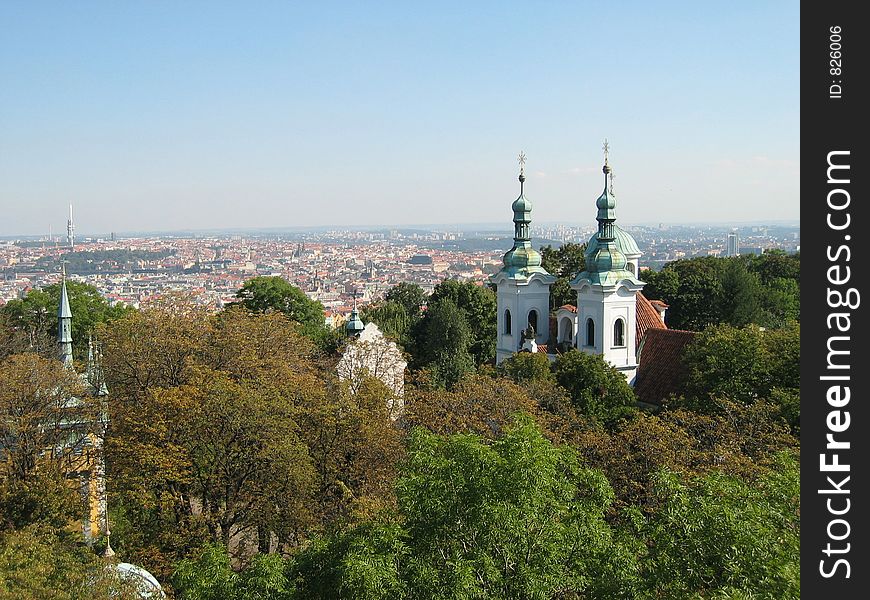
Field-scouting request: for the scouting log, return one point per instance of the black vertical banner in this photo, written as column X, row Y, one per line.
column 835, row 419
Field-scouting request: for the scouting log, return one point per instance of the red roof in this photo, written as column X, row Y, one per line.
column 570, row 307
column 661, row 370
column 647, row 318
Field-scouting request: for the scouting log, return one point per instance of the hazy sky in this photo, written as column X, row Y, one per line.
column 168, row 115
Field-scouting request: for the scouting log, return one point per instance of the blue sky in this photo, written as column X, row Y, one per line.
column 169, row 115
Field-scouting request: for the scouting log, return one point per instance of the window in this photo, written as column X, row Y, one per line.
column 533, row 320
column 619, row 333
column 590, row 332
column 507, row 322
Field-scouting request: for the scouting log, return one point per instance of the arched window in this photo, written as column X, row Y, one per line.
column 590, row 332
column 630, row 267
column 565, row 330
column 507, row 322
column 619, row 333
column 533, row 320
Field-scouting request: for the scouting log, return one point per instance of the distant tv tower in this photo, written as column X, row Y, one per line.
column 70, row 230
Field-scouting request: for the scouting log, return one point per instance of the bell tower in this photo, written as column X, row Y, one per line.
column 523, row 286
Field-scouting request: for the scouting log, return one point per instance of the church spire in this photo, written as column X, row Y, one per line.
column 354, row 323
column 522, row 208
column 606, row 202
column 64, row 322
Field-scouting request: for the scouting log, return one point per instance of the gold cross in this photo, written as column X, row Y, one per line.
column 606, row 149
column 522, row 160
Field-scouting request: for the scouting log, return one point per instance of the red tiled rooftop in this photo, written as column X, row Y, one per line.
column 647, row 318
column 661, row 371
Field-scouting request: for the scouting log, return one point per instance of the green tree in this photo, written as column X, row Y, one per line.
column 565, row 262
column 728, row 362
column 478, row 305
column 742, row 294
column 38, row 563
column 515, row 518
column 693, row 292
column 210, row 576
column 390, row 317
column 598, row 390
column 410, row 296
column 444, row 342
column 36, row 315
column 262, row 294
column 527, row 366
column 720, row 537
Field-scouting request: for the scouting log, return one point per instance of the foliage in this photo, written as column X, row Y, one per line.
column 410, row 296
column 737, row 291
column 444, row 342
column 742, row 364
column 390, row 317
column 719, row 536
column 598, row 390
column 36, row 315
column 45, row 497
column 477, row 404
column 262, row 294
column 37, row 401
column 354, row 447
column 527, row 366
column 477, row 304
column 38, row 563
column 211, row 577
column 517, row 518
column 565, row 262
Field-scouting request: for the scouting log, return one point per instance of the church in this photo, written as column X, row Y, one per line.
column 611, row 317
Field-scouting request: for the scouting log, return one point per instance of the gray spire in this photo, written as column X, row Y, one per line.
column 64, row 324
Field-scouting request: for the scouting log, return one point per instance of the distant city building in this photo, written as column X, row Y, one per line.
column 70, row 230
column 733, row 246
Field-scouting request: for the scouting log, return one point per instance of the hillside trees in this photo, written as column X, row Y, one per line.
column 35, row 315
column 736, row 291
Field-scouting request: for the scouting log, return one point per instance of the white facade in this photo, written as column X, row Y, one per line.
column 373, row 354
column 612, row 312
column 521, row 302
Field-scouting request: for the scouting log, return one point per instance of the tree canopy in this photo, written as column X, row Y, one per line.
column 36, row 315
column 262, row 294
column 564, row 262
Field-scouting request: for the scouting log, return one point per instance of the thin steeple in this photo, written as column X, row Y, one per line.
column 522, row 259
column 606, row 202
column 64, row 322
column 354, row 323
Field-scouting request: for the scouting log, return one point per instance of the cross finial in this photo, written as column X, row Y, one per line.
column 606, row 148
column 522, row 160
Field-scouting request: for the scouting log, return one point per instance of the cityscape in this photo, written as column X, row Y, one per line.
column 283, row 318
column 329, row 264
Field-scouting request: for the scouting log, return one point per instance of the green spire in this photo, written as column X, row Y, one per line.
column 605, row 262
column 522, row 260
column 354, row 324
column 64, row 322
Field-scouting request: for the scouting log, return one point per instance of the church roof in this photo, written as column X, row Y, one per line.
column 624, row 241
column 661, row 370
column 647, row 318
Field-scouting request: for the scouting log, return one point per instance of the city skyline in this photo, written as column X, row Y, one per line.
column 164, row 118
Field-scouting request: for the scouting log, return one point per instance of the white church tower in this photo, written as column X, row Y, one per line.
column 523, row 287
column 607, row 291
